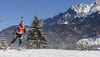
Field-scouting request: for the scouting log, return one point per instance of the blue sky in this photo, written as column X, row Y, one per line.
column 12, row 10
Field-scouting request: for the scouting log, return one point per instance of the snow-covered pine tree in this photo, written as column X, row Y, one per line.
column 36, row 38
column 3, row 42
column 85, row 44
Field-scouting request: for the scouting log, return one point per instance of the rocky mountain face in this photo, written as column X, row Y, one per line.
column 80, row 12
column 60, row 36
column 80, row 21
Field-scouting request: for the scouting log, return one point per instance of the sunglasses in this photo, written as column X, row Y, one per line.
column 22, row 23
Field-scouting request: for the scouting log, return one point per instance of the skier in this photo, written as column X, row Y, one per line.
column 18, row 31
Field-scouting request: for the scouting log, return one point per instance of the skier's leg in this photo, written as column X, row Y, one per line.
column 10, row 45
column 14, row 39
column 20, row 41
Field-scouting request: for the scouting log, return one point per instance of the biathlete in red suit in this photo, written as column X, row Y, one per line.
column 19, row 34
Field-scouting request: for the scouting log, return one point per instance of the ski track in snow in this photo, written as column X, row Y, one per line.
column 48, row 53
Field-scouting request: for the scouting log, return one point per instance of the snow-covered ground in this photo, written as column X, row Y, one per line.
column 49, row 53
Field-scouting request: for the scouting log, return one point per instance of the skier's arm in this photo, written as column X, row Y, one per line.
column 25, row 33
column 16, row 29
column 24, row 30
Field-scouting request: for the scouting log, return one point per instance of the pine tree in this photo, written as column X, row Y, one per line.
column 3, row 43
column 36, row 38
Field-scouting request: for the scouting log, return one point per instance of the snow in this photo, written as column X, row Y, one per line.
column 95, row 6
column 82, row 8
column 95, row 9
column 97, row 40
column 49, row 53
column 91, row 40
column 88, row 41
column 65, row 22
column 86, row 9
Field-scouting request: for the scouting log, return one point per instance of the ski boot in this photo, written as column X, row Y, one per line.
column 19, row 48
column 9, row 48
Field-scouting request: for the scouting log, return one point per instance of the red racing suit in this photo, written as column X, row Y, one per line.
column 20, row 29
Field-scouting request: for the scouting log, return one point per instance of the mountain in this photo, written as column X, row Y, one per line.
column 83, row 12
column 60, row 36
column 80, row 21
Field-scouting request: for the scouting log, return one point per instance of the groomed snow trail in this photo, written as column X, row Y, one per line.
column 48, row 53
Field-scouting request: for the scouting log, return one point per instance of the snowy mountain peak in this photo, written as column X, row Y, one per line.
column 97, row 3
column 82, row 8
column 95, row 6
column 75, row 14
